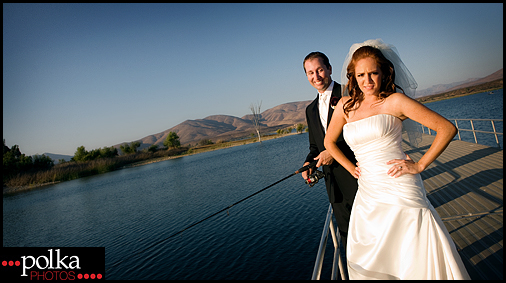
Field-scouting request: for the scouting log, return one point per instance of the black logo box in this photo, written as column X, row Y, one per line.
column 91, row 260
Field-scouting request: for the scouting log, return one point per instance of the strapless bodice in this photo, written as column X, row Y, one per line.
column 374, row 141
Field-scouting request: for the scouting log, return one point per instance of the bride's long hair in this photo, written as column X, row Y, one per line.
column 387, row 84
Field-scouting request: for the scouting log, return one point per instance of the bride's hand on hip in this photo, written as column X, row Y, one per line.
column 402, row 166
column 356, row 172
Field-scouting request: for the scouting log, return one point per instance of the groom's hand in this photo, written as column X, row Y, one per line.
column 324, row 158
column 307, row 172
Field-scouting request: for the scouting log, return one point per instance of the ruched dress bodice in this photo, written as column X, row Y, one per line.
column 374, row 141
column 394, row 231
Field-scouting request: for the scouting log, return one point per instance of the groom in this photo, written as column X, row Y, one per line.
column 341, row 185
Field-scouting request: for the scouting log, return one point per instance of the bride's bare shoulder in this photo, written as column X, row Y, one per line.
column 344, row 99
column 397, row 96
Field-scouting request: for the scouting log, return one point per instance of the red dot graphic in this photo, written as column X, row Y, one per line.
column 99, row 276
column 80, row 276
column 4, row 263
column 86, row 276
column 11, row 263
column 17, row 263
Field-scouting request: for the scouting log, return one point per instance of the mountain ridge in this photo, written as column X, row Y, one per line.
column 440, row 88
column 226, row 127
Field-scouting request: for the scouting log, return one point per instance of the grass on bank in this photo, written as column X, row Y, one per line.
column 73, row 170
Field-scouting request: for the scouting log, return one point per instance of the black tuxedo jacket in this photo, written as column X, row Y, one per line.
column 339, row 182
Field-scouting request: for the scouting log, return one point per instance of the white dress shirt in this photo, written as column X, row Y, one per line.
column 323, row 105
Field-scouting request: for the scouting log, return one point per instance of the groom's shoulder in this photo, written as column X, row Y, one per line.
column 312, row 104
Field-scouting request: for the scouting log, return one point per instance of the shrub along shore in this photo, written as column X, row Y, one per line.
column 73, row 170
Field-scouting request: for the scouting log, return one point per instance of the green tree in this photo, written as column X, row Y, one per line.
column 172, row 140
column 125, row 148
column 42, row 162
column 135, row 145
column 80, row 154
column 153, row 148
column 93, row 154
column 14, row 161
column 108, row 152
column 6, row 148
column 129, row 148
column 300, row 128
column 25, row 162
column 9, row 159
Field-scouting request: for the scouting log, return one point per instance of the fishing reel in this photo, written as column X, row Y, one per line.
column 313, row 179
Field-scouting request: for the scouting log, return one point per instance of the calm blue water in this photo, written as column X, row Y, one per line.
column 476, row 106
column 273, row 235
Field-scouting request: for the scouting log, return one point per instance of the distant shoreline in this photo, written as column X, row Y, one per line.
column 485, row 87
column 13, row 190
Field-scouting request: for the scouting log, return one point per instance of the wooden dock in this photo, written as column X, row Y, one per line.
column 465, row 186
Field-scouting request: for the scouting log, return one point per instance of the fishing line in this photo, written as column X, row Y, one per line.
column 302, row 169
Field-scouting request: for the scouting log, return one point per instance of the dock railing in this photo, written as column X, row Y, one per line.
column 337, row 263
column 465, row 186
column 472, row 129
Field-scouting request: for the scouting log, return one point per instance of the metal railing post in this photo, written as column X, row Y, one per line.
column 321, row 249
column 337, row 253
column 337, row 261
column 457, row 126
column 474, row 132
column 495, row 133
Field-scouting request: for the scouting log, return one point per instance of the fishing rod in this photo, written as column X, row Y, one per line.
column 312, row 180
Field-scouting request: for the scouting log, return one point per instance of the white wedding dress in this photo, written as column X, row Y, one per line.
column 394, row 231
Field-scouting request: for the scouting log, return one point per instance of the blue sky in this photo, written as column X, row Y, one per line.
column 102, row 74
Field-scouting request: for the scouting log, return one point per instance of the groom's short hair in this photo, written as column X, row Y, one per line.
column 316, row 54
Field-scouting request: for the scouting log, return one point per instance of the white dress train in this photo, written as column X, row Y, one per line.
column 394, row 231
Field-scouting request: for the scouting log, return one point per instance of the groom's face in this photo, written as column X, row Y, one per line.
column 318, row 74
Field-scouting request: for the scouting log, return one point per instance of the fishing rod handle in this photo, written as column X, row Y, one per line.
column 310, row 165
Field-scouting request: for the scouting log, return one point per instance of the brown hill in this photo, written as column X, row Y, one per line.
column 484, row 87
column 285, row 114
column 441, row 88
column 495, row 76
column 225, row 127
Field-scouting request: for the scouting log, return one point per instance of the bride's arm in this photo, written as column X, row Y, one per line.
column 333, row 132
column 409, row 108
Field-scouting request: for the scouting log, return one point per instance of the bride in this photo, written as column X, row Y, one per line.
column 394, row 232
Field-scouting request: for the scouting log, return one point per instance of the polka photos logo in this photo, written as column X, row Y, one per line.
column 52, row 264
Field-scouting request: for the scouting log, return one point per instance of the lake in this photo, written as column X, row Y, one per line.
column 477, row 106
column 133, row 212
